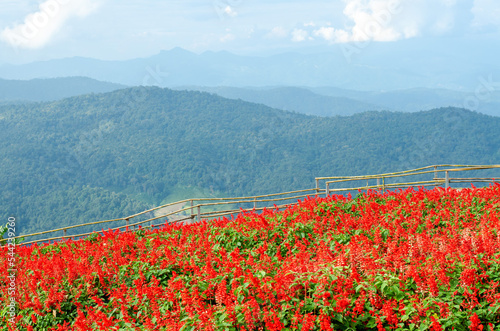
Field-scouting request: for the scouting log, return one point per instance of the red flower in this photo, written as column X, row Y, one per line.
column 475, row 323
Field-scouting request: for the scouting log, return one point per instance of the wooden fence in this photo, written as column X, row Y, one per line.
column 393, row 180
column 193, row 210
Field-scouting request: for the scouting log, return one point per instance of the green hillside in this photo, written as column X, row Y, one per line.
column 109, row 155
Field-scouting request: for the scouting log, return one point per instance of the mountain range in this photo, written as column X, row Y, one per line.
column 331, row 101
column 380, row 68
column 320, row 101
column 37, row 90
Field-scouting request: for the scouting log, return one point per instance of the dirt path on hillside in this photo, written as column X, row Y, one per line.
column 173, row 208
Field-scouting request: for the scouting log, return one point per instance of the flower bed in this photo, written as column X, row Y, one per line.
column 411, row 260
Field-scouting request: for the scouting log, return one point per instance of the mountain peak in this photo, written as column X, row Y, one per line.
column 176, row 51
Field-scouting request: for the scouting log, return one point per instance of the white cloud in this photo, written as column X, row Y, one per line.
column 486, row 12
column 299, row 35
column 228, row 37
column 39, row 28
column 444, row 24
column 230, row 11
column 277, row 32
column 331, row 34
column 373, row 20
column 391, row 20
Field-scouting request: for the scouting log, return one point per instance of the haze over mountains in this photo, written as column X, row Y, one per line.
column 51, row 89
column 320, row 101
column 320, row 83
column 330, row 101
column 381, row 68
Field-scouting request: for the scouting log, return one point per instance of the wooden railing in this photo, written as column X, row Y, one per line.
column 383, row 181
column 193, row 210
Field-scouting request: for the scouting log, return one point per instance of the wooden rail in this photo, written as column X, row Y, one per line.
column 190, row 210
column 381, row 179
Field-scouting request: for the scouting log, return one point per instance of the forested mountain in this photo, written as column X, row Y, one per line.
column 109, row 155
column 14, row 91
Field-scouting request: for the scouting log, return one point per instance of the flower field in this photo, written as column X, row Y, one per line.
column 410, row 260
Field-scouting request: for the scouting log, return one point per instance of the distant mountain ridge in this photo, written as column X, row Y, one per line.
column 37, row 90
column 319, row 101
column 380, row 68
column 331, row 101
column 301, row 100
column 380, row 79
column 417, row 99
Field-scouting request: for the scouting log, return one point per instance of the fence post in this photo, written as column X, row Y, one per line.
column 255, row 203
column 317, row 187
column 192, row 214
column 383, row 184
column 199, row 213
column 65, row 232
column 327, row 189
column 447, row 180
column 127, row 222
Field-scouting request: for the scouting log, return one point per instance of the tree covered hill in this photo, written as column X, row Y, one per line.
column 103, row 156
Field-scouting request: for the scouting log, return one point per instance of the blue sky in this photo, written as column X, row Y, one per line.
column 33, row 30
